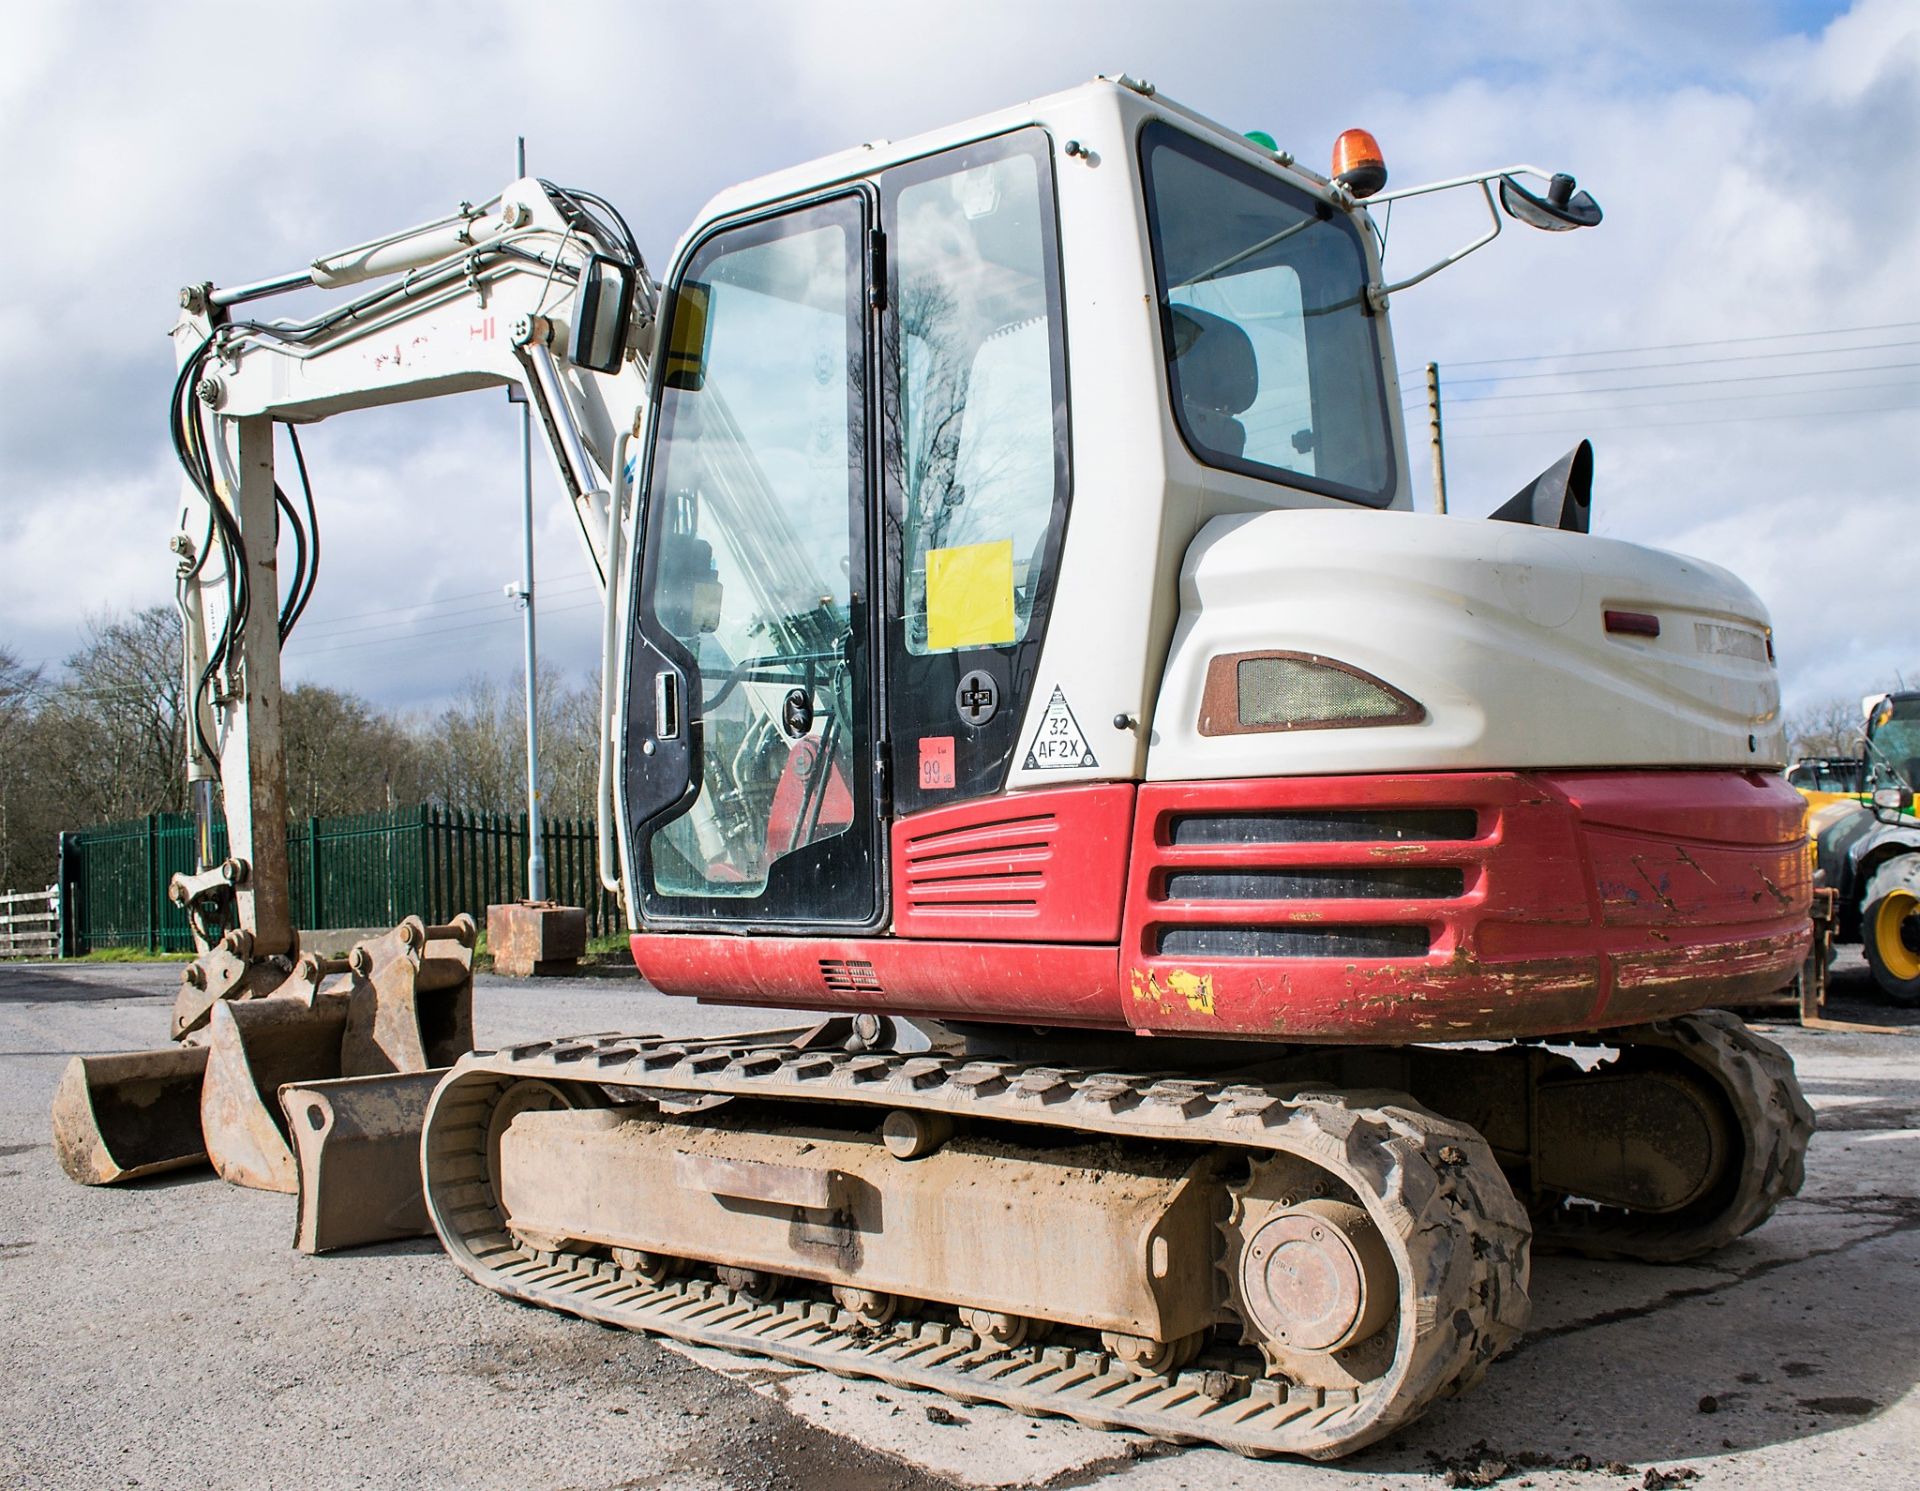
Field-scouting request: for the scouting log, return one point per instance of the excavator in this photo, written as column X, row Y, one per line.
column 1246, row 917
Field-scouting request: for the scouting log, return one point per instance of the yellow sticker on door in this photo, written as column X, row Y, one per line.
column 970, row 596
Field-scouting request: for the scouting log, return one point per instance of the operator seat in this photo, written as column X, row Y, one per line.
column 1216, row 375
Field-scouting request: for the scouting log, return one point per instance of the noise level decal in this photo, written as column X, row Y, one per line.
column 1058, row 743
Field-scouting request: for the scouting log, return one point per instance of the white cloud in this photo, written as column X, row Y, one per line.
column 1754, row 182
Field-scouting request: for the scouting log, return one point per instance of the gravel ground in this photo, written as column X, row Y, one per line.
column 165, row 1335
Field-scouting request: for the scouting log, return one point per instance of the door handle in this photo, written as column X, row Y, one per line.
column 666, row 704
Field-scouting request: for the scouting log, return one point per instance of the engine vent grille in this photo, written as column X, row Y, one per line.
column 1294, row 942
column 849, row 976
column 1314, row 884
column 1328, row 826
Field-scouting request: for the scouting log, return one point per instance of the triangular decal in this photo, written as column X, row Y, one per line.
column 1058, row 744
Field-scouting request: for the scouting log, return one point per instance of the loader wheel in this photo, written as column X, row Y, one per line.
column 1890, row 928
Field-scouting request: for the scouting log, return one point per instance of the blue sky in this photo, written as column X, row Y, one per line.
column 1759, row 164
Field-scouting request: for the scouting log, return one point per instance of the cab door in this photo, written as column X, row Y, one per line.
column 752, row 697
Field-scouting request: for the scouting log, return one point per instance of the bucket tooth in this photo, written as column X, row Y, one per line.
column 120, row 1117
column 257, row 1046
column 411, row 1007
column 356, row 1144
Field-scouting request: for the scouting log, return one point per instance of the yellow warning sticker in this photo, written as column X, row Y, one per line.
column 970, row 596
column 1195, row 988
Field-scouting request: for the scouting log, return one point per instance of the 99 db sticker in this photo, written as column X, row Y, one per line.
column 936, row 762
column 1058, row 744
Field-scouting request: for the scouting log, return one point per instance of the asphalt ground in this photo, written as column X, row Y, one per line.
column 165, row 1334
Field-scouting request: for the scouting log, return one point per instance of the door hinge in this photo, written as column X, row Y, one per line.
column 877, row 269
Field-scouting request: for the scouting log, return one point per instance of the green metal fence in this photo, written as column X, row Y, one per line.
column 367, row 870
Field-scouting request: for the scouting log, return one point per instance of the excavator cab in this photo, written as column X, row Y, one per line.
column 863, row 419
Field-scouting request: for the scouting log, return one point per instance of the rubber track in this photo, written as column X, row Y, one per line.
column 1772, row 1116
column 1459, row 1237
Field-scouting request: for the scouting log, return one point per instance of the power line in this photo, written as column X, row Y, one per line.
column 401, row 628
column 1581, row 393
column 307, row 652
column 1695, row 362
column 1717, row 398
column 1676, row 424
column 444, row 600
column 1777, row 336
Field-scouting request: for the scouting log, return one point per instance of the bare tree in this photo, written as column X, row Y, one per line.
column 107, row 742
column 118, row 719
column 344, row 755
column 26, row 853
column 570, row 750
column 1831, row 727
column 473, row 754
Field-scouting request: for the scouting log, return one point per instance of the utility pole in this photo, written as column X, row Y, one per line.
column 536, row 854
column 1433, row 429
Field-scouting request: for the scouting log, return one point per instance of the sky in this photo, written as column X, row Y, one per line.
column 1740, row 337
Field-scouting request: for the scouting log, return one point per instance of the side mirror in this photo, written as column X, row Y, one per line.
column 1560, row 209
column 1892, row 800
column 685, row 364
column 602, row 309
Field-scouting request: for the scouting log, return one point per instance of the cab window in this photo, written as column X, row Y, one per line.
column 1273, row 360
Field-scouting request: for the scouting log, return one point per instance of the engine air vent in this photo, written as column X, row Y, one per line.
column 1295, row 942
column 1310, row 883
column 1327, row 826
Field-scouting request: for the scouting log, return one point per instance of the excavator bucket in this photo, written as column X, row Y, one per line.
column 399, row 1008
column 412, row 1002
column 256, row 1046
column 356, row 1145
column 120, row 1117
column 407, row 1008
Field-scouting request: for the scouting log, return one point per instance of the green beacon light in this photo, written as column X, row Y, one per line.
column 1264, row 140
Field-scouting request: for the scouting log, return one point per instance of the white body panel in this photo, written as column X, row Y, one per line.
column 1496, row 628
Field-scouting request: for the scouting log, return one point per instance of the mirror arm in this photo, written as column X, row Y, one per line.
column 1377, row 294
column 1478, row 178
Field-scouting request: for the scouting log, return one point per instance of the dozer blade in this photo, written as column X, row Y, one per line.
column 356, row 1144
column 257, row 1046
column 120, row 1117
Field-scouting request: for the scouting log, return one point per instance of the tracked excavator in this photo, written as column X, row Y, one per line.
column 1246, row 916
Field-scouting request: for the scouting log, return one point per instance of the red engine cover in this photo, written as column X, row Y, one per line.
column 1381, row 909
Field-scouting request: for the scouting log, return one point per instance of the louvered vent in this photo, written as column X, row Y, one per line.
column 849, row 976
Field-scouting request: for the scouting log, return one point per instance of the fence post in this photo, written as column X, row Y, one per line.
column 313, row 875
column 69, row 863
column 428, row 911
column 153, row 890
